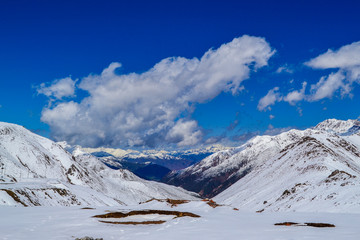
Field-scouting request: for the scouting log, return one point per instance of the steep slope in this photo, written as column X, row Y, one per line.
column 127, row 186
column 320, row 172
column 338, row 126
column 36, row 171
column 219, row 171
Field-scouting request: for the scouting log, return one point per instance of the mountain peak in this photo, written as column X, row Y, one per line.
column 337, row 126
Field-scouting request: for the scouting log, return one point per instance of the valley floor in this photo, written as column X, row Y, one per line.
column 214, row 223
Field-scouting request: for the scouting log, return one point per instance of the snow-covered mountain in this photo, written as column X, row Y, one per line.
column 316, row 169
column 37, row 171
column 320, row 172
column 173, row 160
column 220, row 170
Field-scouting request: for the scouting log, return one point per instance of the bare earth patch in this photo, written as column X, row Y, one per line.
column 135, row 223
column 140, row 213
column 172, row 202
column 321, row 225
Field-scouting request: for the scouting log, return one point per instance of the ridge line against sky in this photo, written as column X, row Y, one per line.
column 178, row 75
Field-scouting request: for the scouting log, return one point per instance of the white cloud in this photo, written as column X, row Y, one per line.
column 184, row 133
column 347, row 56
column 340, row 82
column 284, row 69
column 328, row 85
column 347, row 60
column 58, row 89
column 152, row 108
column 269, row 99
column 271, row 116
column 296, row 95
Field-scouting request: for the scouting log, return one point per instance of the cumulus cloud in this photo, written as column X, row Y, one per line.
column 347, row 56
column 58, row 89
column 274, row 96
column 296, row 95
column 347, row 60
column 327, row 86
column 153, row 108
column 269, row 99
column 184, row 133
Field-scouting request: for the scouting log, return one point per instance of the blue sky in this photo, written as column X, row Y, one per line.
column 44, row 42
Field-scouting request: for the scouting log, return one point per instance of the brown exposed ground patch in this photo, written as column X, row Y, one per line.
column 211, row 203
column 176, row 214
column 286, row 224
column 319, row 225
column 14, row 196
column 172, row 202
column 87, row 208
column 135, row 223
column 146, row 212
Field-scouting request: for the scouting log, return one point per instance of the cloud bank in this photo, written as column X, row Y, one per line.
column 152, row 108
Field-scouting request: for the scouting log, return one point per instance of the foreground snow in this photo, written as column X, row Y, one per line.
column 214, row 223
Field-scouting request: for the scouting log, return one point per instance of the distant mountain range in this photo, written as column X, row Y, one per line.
column 173, row 160
column 148, row 164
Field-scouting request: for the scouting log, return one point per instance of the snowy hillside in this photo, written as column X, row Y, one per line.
column 220, row 170
column 318, row 172
column 36, row 171
column 312, row 170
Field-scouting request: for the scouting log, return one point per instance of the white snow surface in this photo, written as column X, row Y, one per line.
column 315, row 170
column 215, row 223
column 35, row 171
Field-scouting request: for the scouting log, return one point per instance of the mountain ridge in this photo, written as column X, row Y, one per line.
column 38, row 171
column 227, row 173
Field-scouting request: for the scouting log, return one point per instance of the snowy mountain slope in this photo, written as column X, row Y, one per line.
column 320, row 172
column 125, row 185
column 221, row 170
column 338, row 126
column 37, row 171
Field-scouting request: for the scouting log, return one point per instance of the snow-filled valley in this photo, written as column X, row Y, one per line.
column 301, row 176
